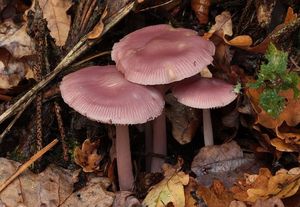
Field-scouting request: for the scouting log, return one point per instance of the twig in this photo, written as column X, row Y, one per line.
column 60, row 124
column 91, row 57
column 23, row 167
column 156, row 6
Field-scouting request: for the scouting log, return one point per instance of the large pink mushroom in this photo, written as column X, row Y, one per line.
column 101, row 93
column 205, row 94
column 159, row 55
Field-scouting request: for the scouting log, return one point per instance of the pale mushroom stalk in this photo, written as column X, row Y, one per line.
column 207, row 128
column 159, row 141
column 124, row 164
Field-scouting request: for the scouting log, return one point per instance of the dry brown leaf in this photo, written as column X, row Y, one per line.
column 93, row 194
column 223, row 28
column 58, row 20
column 50, row 187
column 184, row 120
column 169, row 191
column 280, row 145
column 217, row 158
column 191, row 199
column 87, row 156
column 125, row 198
column 215, row 196
column 263, row 186
column 12, row 71
column 237, row 204
column 290, row 15
column 16, row 40
column 271, row 202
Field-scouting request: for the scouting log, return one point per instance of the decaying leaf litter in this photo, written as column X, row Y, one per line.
column 255, row 161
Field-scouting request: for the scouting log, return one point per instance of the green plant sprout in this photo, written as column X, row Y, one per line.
column 273, row 78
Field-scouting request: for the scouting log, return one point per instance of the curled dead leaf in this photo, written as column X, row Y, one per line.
column 87, row 156
column 223, row 28
column 263, row 185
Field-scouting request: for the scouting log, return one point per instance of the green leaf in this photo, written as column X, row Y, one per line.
column 274, row 77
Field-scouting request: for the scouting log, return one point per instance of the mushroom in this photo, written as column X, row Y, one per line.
column 204, row 93
column 160, row 55
column 101, row 93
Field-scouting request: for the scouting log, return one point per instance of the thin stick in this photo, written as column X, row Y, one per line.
column 23, row 167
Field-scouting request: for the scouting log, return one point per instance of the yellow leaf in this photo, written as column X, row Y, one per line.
column 169, row 190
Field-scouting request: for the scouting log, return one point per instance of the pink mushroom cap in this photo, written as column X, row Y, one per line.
column 162, row 54
column 204, row 93
column 101, row 93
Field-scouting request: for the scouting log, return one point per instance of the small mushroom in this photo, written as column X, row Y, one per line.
column 101, row 93
column 160, row 55
column 204, row 93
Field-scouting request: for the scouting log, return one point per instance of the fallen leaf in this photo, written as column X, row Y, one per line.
column 237, row 204
column 87, row 156
column 217, row 158
column 215, row 196
column 223, row 28
column 184, row 120
column 224, row 162
column 16, row 40
column 263, row 185
column 290, row 15
column 12, row 70
column 98, row 29
column 290, row 114
column 169, row 191
column 271, row 202
column 93, row 194
column 50, row 187
column 58, row 20
column 126, row 199
column 280, row 145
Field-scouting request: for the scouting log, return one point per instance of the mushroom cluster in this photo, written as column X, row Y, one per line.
column 160, row 55
column 148, row 62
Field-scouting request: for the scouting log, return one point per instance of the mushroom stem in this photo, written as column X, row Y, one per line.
column 207, row 128
column 159, row 142
column 124, row 164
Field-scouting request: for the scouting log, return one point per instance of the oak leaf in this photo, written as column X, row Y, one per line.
column 87, row 156
column 263, row 186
